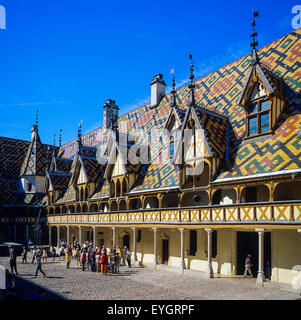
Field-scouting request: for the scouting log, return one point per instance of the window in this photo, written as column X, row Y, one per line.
column 29, row 187
column 192, row 242
column 172, row 146
column 258, row 118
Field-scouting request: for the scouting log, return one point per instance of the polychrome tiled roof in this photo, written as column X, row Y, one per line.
column 218, row 92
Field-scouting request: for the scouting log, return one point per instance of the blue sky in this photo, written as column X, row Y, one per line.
column 67, row 57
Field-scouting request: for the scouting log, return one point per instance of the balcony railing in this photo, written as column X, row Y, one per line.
column 288, row 212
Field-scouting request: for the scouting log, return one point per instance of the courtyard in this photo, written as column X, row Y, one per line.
column 136, row 283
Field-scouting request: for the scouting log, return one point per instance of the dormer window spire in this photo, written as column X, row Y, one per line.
column 37, row 121
column 79, row 137
column 60, row 138
column 191, row 86
column 254, row 43
column 173, row 91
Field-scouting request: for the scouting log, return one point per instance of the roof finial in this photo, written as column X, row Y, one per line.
column 37, row 120
column 79, row 136
column 173, row 91
column 254, row 42
column 191, row 86
column 54, row 139
column 60, row 137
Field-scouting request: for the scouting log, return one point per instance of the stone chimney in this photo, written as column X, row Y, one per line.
column 110, row 114
column 157, row 90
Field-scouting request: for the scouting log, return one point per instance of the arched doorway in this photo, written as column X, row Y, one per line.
column 124, row 239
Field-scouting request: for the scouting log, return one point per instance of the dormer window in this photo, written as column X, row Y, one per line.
column 172, row 145
column 258, row 117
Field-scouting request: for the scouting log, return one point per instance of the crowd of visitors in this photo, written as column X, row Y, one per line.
column 94, row 259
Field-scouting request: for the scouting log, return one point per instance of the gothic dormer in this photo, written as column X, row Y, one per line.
column 263, row 96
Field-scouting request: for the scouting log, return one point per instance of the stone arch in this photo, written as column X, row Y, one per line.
column 124, row 239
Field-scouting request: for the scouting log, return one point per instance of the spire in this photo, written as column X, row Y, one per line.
column 54, row 139
column 173, row 91
column 191, row 101
column 254, row 43
column 79, row 137
column 60, row 138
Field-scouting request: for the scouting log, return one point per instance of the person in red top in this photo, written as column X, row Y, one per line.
column 104, row 263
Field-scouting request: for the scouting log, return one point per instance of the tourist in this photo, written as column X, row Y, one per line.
column 104, row 263
column 77, row 255
column 24, row 255
column 128, row 257
column 12, row 260
column 87, row 252
column 83, row 258
column 118, row 260
column 114, row 262
column 248, row 265
column 45, row 256
column 34, row 254
column 67, row 259
column 98, row 260
column 110, row 256
column 29, row 243
column 39, row 266
column 92, row 260
column 53, row 253
column 124, row 254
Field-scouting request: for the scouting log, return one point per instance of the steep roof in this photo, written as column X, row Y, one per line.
column 219, row 92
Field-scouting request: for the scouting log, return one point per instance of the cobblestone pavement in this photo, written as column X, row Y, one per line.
column 135, row 283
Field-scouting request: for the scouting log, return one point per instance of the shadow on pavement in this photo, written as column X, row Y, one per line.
column 27, row 289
